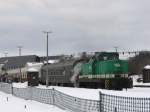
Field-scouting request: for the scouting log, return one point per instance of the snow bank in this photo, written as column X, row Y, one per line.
column 135, row 77
column 93, row 94
column 20, row 85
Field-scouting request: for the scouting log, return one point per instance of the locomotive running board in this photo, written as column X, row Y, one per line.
column 102, row 76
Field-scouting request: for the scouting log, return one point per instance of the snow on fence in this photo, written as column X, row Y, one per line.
column 5, row 87
column 53, row 97
column 42, row 95
column 107, row 103
column 75, row 104
column 111, row 103
column 24, row 93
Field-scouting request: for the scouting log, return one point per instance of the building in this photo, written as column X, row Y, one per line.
column 15, row 66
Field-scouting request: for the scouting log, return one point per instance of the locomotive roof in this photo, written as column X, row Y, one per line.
column 69, row 62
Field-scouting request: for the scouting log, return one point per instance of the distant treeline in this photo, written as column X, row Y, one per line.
column 137, row 63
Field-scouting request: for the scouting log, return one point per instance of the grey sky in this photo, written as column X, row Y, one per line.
column 77, row 25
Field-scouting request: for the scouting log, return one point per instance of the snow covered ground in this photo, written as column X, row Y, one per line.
column 135, row 77
column 93, row 94
column 9, row 103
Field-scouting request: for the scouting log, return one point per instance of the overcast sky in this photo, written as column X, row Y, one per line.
column 77, row 25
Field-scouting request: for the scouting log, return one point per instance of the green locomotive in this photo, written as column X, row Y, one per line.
column 105, row 70
column 101, row 70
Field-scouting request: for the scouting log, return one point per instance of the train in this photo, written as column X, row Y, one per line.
column 100, row 70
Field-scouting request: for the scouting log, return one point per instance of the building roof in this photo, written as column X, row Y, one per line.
column 32, row 70
column 18, row 61
column 69, row 62
column 42, row 59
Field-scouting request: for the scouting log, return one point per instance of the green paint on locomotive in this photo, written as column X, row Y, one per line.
column 105, row 63
column 87, row 68
column 111, row 67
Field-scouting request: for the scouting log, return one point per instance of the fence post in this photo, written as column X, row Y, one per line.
column 149, row 104
column 30, row 89
column 115, row 109
column 12, row 89
column 53, row 96
column 100, row 101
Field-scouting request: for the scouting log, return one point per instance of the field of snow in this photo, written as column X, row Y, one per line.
column 93, row 94
column 83, row 93
column 9, row 103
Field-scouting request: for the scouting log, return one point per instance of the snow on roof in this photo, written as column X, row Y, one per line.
column 32, row 70
column 147, row 67
column 34, row 64
column 52, row 61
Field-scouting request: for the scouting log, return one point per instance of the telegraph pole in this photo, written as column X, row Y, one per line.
column 20, row 48
column 47, row 78
column 116, row 48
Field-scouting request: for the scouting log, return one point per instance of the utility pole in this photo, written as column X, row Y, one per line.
column 20, row 48
column 116, row 48
column 47, row 78
column 5, row 62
